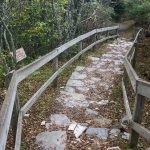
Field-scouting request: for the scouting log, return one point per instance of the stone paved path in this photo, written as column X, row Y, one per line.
column 80, row 102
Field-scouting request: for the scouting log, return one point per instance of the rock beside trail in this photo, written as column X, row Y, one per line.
column 60, row 120
column 114, row 133
column 55, row 140
column 101, row 133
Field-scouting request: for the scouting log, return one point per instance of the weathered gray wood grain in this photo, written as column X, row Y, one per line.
column 131, row 73
column 137, row 117
column 145, row 133
column 19, row 132
column 143, row 88
column 126, row 102
column 6, row 111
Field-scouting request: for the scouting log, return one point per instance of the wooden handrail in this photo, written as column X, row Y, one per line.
column 141, row 89
column 21, row 74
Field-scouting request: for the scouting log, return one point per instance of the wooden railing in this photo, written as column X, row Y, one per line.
column 142, row 93
column 17, row 76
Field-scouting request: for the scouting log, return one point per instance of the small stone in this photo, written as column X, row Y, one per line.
column 94, row 58
column 79, row 130
column 114, row 148
column 26, row 115
column 43, row 123
column 47, row 125
column 103, row 102
column 60, row 120
column 88, row 121
column 126, row 136
column 52, row 140
column 72, row 126
column 91, row 112
column 114, row 133
column 125, row 120
column 79, row 68
column 101, row 133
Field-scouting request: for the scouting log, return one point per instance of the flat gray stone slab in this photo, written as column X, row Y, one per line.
column 94, row 58
column 90, row 69
column 55, row 140
column 114, row 133
column 78, row 76
column 79, row 68
column 126, row 136
column 76, row 103
column 73, row 99
column 75, row 83
column 101, row 133
column 69, row 89
column 83, row 89
column 60, row 120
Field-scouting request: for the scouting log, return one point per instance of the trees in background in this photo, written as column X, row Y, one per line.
column 139, row 10
column 40, row 25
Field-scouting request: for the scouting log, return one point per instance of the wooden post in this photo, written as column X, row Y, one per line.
column 95, row 39
column 137, row 117
column 135, row 55
column 80, row 49
column 125, row 78
column 81, row 46
column 54, row 69
column 16, row 108
column 117, row 32
column 107, row 34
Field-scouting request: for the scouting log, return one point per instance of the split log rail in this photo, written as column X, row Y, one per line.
column 141, row 89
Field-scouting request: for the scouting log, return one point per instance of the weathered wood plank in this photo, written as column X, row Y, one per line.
column 55, row 68
column 131, row 74
column 6, row 111
column 145, row 133
column 137, row 117
column 15, row 109
column 126, row 102
column 132, row 57
column 107, row 29
column 35, row 97
column 19, row 132
column 143, row 88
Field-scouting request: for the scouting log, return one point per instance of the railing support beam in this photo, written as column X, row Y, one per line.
column 15, row 109
column 137, row 117
column 54, row 69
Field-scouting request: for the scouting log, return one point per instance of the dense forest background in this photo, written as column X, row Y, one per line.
column 41, row 25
